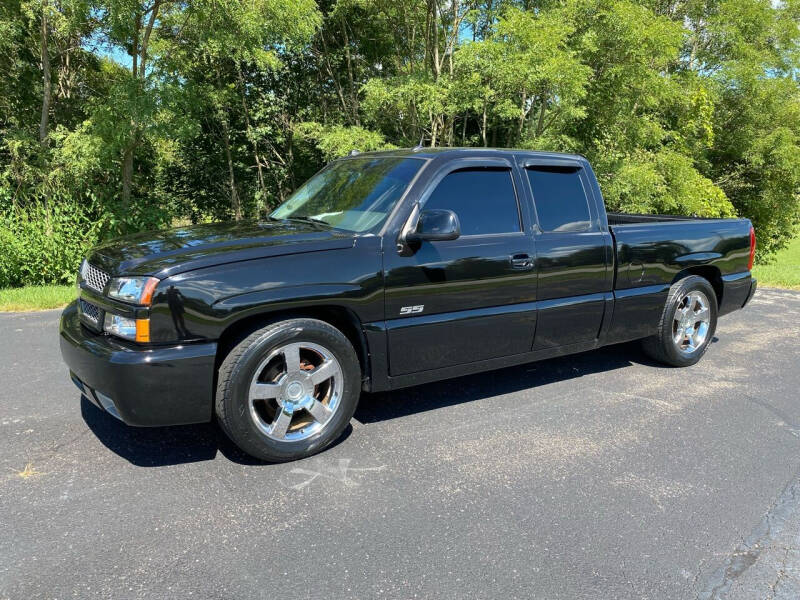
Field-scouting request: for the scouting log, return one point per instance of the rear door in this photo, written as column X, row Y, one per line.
column 469, row 299
column 574, row 253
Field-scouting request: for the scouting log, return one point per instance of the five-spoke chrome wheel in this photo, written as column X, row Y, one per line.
column 691, row 322
column 295, row 392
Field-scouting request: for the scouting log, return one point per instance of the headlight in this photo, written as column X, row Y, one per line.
column 136, row 330
column 137, row 290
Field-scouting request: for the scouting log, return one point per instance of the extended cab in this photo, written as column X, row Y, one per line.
column 387, row 270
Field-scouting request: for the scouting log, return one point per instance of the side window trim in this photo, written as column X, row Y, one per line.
column 595, row 203
column 468, row 164
column 531, row 165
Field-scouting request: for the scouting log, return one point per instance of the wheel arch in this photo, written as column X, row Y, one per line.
column 710, row 273
column 340, row 317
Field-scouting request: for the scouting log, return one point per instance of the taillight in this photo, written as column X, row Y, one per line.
column 752, row 248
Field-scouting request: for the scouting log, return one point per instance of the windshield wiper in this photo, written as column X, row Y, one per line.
column 307, row 219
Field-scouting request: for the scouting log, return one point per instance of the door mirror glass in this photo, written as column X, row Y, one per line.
column 436, row 225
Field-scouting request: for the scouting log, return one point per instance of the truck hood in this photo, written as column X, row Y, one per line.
column 167, row 253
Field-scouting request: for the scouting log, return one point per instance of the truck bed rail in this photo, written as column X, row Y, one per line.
column 630, row 218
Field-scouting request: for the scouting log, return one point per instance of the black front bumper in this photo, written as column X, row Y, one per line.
column 164, row 385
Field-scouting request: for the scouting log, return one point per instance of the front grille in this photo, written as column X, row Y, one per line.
column 90, row 312
column 95, row 278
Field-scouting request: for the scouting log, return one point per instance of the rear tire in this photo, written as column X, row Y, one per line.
column 288, row 390
column 687, row 323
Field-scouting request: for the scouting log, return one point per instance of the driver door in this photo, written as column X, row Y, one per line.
column 472, row 298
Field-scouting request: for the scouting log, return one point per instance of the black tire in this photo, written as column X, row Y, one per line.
column 661, row 346
column 239, row 367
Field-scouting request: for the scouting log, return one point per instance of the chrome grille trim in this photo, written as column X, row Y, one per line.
column 95, row 278
column 90, row 312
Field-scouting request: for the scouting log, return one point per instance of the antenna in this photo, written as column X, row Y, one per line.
column 421, row 141
column 354, row 152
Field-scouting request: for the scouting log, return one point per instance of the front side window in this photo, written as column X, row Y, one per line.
column 483, row 199
column 355, row 195
column 560, row 199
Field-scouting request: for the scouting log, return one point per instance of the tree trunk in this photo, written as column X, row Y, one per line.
column 250, row 133
column 427, row 34
column 353, row 91
column 333, row 77
column 290, row 157
column 226, row 142
column 483, row 126
column 451, row 130
column 540, row 124
column 46, row 91
column 146, row 40
column 437, row 69
column 454, row 37
column 127, row 173
column 138, row 68
column 522, row 114
column 127, row 154
column 65, row 75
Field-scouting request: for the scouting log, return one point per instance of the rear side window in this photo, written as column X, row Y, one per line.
column 483, row 199
column 560, row 199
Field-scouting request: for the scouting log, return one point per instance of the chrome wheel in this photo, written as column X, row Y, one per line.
column 296, row 391
column 691, row 322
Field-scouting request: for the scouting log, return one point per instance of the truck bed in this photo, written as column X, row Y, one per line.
column 653, row 249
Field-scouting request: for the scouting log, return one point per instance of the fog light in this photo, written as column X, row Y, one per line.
column 136, row 330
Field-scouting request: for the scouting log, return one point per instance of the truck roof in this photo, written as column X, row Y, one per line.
column 463, row 152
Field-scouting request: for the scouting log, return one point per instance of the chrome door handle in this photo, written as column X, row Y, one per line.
column 521, row 261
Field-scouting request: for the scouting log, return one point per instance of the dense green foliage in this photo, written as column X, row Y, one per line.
column 43, row 243
column 218, row 109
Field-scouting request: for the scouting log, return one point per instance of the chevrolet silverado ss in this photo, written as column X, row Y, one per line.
column 388, row 270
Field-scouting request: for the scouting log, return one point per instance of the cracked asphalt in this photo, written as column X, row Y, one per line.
column 600, row 475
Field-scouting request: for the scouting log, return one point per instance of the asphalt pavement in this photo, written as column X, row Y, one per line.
column 601, row 475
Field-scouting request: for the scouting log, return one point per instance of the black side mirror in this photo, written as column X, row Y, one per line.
column 435, row 225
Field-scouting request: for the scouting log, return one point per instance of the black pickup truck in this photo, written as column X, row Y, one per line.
column 387, row 270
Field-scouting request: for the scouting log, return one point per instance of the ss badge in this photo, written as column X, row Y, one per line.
column 412, row 310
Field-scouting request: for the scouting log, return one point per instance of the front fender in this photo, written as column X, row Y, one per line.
column 202, row 304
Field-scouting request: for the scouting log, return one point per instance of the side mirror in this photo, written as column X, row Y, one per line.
column 435, row 225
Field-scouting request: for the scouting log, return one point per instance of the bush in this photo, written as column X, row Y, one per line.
column 45, row 243
column 665, row 182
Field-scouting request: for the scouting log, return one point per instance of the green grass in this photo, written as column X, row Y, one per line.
column 36, row 297
column 784, row 271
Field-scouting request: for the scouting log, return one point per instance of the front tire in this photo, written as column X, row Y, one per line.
column 288, row 390
column 687, row 324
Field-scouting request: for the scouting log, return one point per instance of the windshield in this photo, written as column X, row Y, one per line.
column 355, row 195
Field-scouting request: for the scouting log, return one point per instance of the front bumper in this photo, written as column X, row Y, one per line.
column 164, row 385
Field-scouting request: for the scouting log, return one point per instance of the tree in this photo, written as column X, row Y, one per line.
column 215, row 44
column 133, row 114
